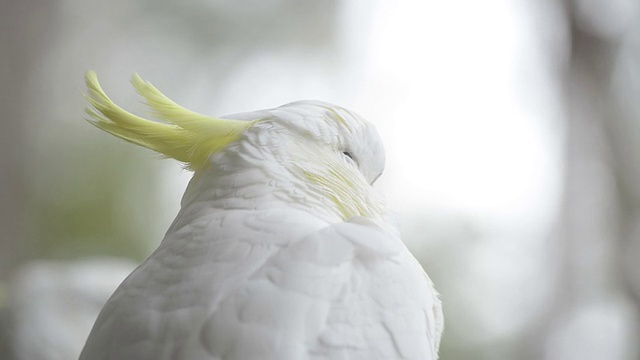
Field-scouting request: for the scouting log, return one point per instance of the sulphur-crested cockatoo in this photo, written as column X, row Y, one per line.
column 281, row 249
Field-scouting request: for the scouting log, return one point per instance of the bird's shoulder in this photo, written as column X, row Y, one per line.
column 349, row 289
column 196, row 266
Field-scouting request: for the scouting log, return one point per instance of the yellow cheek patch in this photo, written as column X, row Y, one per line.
column 349, row 195
column 184, row 135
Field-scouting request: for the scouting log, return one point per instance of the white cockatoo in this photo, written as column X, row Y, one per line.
column 281, row 249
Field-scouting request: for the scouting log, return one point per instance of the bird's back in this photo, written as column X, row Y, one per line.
column 314, row 291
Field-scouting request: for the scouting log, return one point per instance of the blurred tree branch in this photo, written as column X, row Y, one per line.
column 24, row 31
column 598, row 233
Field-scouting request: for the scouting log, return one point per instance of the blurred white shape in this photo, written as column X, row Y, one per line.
column 54, row 304
column 606, row 18
column 462, row 137
column 512, row 300
column 597, row 329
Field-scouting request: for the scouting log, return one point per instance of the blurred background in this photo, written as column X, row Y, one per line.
column 513, row 142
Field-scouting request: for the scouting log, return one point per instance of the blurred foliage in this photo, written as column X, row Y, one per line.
column 91, row 202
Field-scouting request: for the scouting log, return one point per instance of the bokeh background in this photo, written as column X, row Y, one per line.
column 512, row 131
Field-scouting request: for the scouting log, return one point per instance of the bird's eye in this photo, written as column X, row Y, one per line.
column 348, row 154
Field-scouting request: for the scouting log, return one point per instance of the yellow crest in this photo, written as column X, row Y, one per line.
column 184, row 135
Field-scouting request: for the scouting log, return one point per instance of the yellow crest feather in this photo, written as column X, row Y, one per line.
column 186, row 136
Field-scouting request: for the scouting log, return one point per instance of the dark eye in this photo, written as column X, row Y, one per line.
column 348, row 154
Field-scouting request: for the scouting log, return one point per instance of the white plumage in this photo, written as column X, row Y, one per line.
column 281, row 250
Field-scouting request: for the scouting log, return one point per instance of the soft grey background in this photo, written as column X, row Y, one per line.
column 512, row 131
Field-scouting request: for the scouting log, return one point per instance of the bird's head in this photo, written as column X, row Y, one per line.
column 336, row 152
